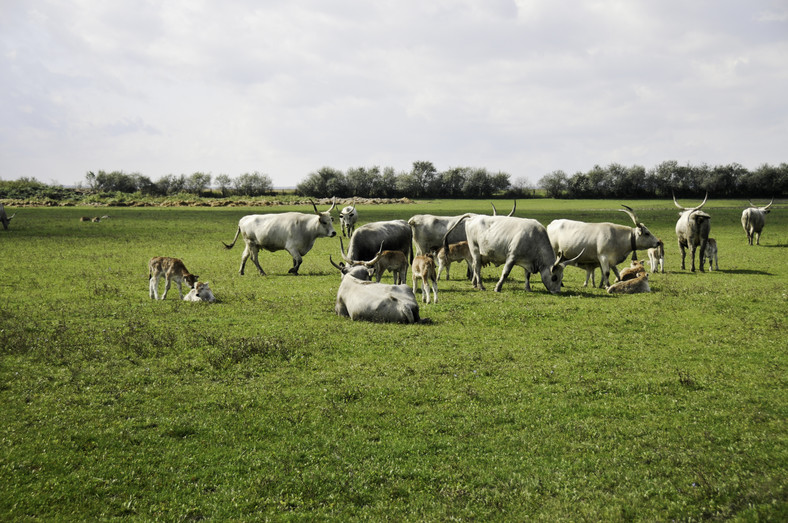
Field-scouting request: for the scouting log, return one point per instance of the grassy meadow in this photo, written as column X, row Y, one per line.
column 500, row 406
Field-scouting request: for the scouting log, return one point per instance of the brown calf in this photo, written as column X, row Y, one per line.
column 424, row 268
column 171, row 269
column 457, row 252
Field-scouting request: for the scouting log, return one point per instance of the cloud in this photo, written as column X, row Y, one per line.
column 285, row 87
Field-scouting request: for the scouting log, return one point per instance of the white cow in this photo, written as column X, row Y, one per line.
column 656, row 257
column 200, row 292
column 511, row 241
column 602, row 245
column 692, row 231
column 294, row 232
column 4, row 218
column 753, row 220
column 348, row 218
column 711, row 254
column 361, row 299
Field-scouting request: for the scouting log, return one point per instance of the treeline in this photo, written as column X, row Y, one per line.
column 248, row 184
column 422, row 181
column 618, row 181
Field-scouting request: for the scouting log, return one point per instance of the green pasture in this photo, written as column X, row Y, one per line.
column 500, row 406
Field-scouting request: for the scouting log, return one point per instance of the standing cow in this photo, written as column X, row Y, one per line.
column 692, row 230
column 394, row 235
column 294, row 232
column 602, row 245
column 348, row 218
column 4, row 218
column 753, row 220
column 511, row 241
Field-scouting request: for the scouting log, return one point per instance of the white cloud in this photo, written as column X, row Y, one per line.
column 285, row 87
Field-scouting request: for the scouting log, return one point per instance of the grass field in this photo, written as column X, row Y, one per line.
column 502, row 406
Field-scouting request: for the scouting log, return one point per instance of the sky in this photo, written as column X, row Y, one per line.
column 285, row 87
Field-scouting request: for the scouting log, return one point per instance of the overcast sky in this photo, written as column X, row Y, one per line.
column 285, row 87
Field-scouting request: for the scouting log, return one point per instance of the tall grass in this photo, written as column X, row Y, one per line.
column 266, row 405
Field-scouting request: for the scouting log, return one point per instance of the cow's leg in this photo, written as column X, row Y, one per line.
column 245, row 256
column 166, row 287
column 413, row 278
column 702, row 247
column 341, row 309
column 527, row 280
column 254, row 254
column 180, row 290
column 297, row 262
column 507, row 268
column 435, row 291
column 440, row 270
column 604, row 268
column 757, row 238
column 425, row 290
column 683, row 255
column 615, row 271
column 153, row 284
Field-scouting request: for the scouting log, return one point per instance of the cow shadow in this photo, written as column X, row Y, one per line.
column 744, row 271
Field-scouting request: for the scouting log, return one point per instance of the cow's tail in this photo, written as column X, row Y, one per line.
column 450, row 229
column 234, row 240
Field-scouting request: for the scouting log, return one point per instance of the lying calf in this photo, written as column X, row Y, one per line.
column 200, row 292
column 635, row 286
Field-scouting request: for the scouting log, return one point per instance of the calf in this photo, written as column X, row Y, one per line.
column 200, row 292
column 424, row 268
column 394, row 261
column 171, row 269
column 656, row 257
column 638, row 285
column 633, row 271
column 456, row 252
column 711, row 254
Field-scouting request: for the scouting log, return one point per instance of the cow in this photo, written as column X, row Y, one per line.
column 753, row 219
column 511, row 241
column 429, row 230
column 424, row 267
column 200, row 292
column 4, row 218
column 348, row 218
column 633, row 286
column 656, row 257
column 294, row 232
column 171, row 269
column 361, row 299
column 456, row 252
column 711, row 254
column 395, row 235
column 603, row 245
column 635, row 270
column 394, row 261
column 84, row 219
column 692, row 231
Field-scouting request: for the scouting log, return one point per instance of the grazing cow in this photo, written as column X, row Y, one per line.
column 348, row 218
column 603, row 245
column 511, row 241
column 634, row 286
column 635, row 270
column 424, row 268
column 429, row 230
column 711, row 254
column 692, row 230
column 361, row 299
column 4, row 218
column 394, row 261
column 753, row 220
column 456, row 252
column 395, row 235
column 294, row 232
column 171, row 269
column 656, row 257
column 200, row 292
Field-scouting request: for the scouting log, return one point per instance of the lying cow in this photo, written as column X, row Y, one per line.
column 424, row 267
column 200, row 292
column 656, row 257
column 635, row 270
column 711, row 254
column 294, row 232
column 361, row 299
column 455, row 252
column 634, row 286
column 171, row 269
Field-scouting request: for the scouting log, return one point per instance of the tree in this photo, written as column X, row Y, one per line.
column 197, row 183
column 554, row 184
column 253, row 184
column 326, row 182
column 223, row 182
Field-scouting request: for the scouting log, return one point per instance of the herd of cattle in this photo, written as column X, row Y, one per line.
column 477, row 239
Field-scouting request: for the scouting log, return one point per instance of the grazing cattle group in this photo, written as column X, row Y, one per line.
column 477, row 239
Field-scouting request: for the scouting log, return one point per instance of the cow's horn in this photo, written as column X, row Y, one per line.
column 332, row 262
column 333, row 204
column 514, row 208
column 314, row 206
column 342, row 249
column 354, row 203
column 770, row 204
column 631, row 213
column 560, row 260
column 495, row 212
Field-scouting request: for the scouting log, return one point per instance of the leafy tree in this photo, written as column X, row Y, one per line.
column 253, row 184
column 554, row 184
column 325, row 182
column 197, row 183
column 223, row 182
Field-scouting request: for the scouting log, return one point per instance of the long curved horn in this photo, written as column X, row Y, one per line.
column 495, row 212
column 762, row 208
column 691, row 208
column 631, row 213
column 513, row 209
column 374, row 260
column 342, row 249
column 334, row 264
column 334, row 204
column 314, row 207
column 560, row 260
column 354, row 203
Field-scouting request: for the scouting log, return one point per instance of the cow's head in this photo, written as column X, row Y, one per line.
column 764, row 210
column 360, row 272
column 325, row 220
column 191, row 280
column 204, row 292
column 553, row 275
column 641, row 236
